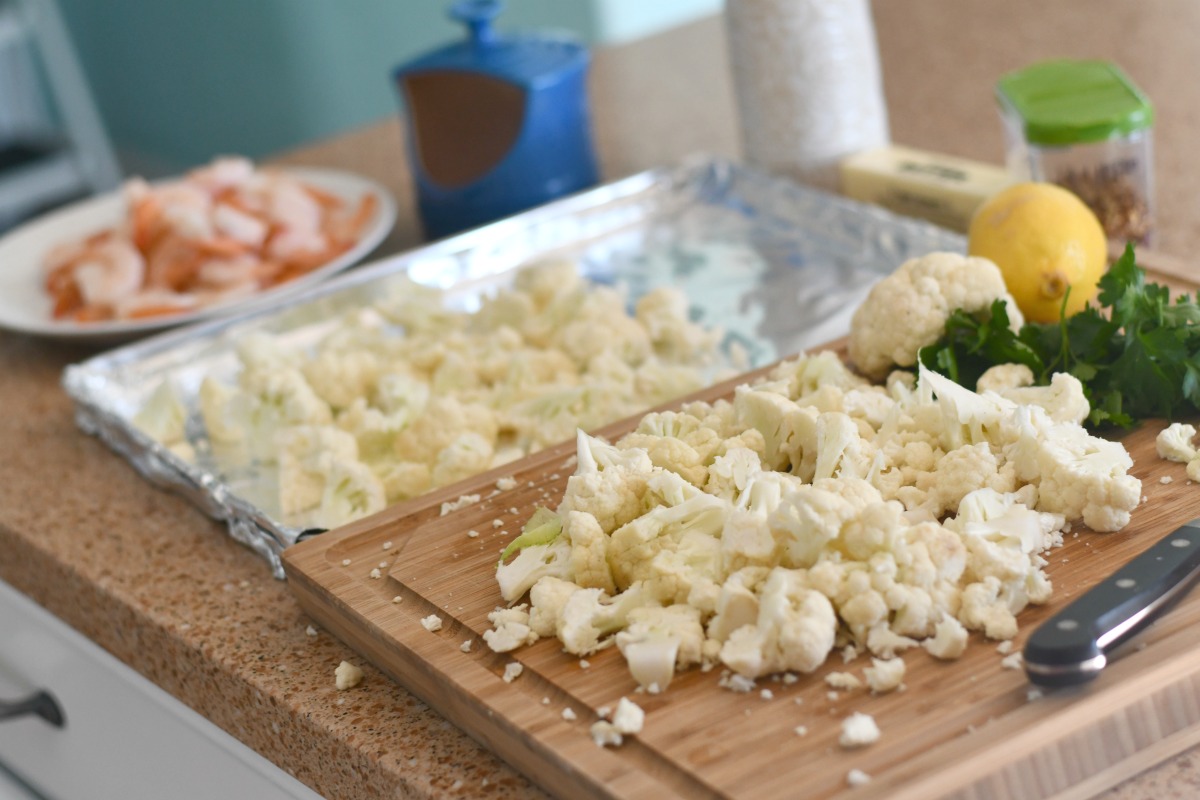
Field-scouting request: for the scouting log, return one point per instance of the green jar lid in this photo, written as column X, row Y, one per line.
column 1066, row 102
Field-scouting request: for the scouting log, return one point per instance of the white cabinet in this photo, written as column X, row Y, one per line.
column 123, row 737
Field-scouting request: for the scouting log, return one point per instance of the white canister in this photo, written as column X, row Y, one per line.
column 808, row 85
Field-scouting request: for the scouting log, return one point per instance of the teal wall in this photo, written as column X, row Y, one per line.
column 179, row 81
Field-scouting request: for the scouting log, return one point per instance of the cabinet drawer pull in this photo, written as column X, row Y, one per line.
column 41, row 704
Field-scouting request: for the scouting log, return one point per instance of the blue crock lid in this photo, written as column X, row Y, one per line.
column 525, row 59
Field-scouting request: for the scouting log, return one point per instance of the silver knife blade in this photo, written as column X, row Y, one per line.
column 1073, row 646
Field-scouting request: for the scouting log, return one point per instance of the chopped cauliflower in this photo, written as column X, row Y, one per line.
column 1174, row 443
column 817, row 512
column 439, row 395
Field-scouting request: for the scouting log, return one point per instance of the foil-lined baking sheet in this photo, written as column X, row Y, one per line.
column 777, row 266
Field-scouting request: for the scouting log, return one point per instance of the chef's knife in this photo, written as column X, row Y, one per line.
column 1073, row 646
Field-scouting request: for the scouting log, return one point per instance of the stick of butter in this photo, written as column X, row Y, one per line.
column 941, row 189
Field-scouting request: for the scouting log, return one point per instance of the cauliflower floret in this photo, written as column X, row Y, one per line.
column 984, row 608
column 806, row 374
column 732, row 471
column 663, row 313
column 351, row 492
column 659, row 640
column 810, row 517
column 442, row 421
column 338, row 377
column 795, row 630
column 467, row 454
column 223, row 409
column 885, row 675
column 307, row 456
column 588, row 616
column 1078, row 475
column 1063, row 399
column 547, row 599
column 589, row 551
column 1003, row 377
column 908, row 309
column 1174, row 443
column 375, row 430
column 163, row 415
column 737, row 604
column 961, row 472
column 531, row 565
column 841, row 450
column 634, row 546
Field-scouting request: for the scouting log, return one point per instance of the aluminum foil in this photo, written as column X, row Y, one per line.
column 779, row 267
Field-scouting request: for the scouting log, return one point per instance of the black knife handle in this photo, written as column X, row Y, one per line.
column 1072, row 646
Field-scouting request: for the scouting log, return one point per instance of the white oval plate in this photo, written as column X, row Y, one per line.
column 26, row 307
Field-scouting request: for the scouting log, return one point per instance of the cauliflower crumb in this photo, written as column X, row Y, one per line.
column 512, row 671
column 1012, row 661
column 462, row 502
column 376, row 574
column 347, row 676
column 397, row 599
column 858, row 730
column 842, row 680
column 387, row 545
column 310, row 631
column 584, row 663
column 545, row 701
column 605, row 734
column 1165, row 479
column 507, row 483
column 949, row 640
column 832, row 696
column 466, row 646
column 431, row 623
column 1005, row 647
column 856, row 777
column 800, row 730
column 603, row 712
column 628, row 717
column 885, row 675
column 346, row 562
column 767, row 694
column 737, row 683
column 497, row 523
column 1033, row 694
column 569, row 715
column 789, row 678
column 472, row 534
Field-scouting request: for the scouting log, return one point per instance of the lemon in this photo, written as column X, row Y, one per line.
column 1045, row 240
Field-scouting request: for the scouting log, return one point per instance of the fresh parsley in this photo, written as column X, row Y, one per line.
column 1136, row 352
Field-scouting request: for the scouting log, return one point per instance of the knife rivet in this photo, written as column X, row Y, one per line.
column 1180, row 543
column 1126, row 583
column 1066, row 625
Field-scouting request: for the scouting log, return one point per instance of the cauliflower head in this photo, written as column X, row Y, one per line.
column 908, row 309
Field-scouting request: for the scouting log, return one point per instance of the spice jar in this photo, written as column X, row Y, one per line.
column 1085, row 126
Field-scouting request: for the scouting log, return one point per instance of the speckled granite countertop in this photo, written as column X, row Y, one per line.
column 164, row 589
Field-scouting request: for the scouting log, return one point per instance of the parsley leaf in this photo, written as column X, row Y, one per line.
column 1137, row 352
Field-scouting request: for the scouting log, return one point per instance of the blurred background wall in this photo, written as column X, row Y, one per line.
column 178, row 81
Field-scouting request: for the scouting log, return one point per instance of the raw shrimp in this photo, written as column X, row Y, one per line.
column 224, row 231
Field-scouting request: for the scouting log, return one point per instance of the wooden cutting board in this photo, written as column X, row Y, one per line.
column 963, row 729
